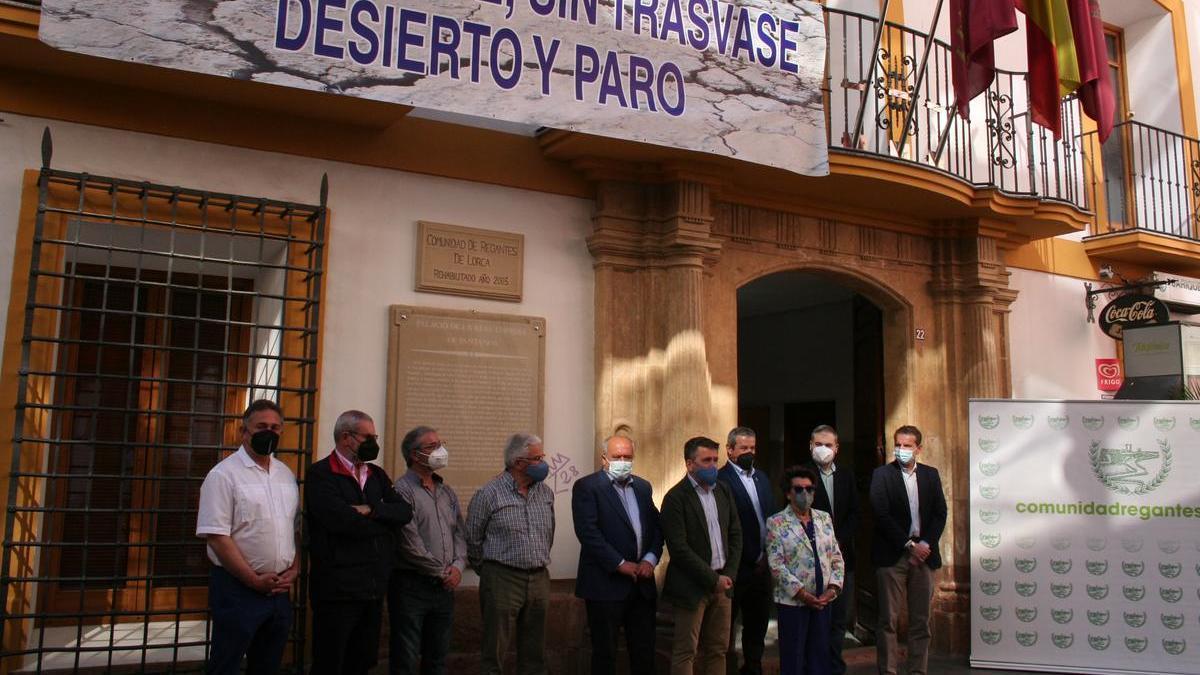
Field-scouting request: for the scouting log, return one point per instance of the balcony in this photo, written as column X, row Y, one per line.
column 1147, row 186
column 889, row 95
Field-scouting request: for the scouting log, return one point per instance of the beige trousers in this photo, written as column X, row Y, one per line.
column 901, row 584
column 705, row 628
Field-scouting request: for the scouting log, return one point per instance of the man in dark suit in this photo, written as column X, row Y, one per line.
column 701, row 528
column 751, row 490
column 843, row 507
column 354, row 517
column 620, row 543
column 910, row 514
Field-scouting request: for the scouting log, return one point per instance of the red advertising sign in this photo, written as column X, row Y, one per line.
column 1108, row 374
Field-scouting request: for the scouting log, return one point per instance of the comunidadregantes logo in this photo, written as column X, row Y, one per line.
column 1129, row 471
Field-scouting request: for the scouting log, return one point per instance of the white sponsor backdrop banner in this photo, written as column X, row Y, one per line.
column 1085, row 536
column 740, row 79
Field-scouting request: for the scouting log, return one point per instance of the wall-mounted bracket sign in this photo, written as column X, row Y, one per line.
column 1128, row 311
column 468, row 261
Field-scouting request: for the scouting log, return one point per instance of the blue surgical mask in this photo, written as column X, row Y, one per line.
column 706, row 476
column 904, row 456
column 537, row 472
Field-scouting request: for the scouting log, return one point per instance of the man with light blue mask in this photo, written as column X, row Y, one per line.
column 510, row 528
column 702, row 530
column 910, row 514
column 620, row 543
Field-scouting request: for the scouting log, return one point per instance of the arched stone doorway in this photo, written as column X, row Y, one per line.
column 670, row 255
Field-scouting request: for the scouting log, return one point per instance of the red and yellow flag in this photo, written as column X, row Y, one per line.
column 1053, row 65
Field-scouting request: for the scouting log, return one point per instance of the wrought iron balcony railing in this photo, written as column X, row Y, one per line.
column 1144, row 178
column 889, row 93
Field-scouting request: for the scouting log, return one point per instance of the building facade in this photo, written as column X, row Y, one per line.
column 173, row 245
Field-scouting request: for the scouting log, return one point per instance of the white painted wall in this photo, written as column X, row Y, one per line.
column 1152, row 79
column 370, row 262
column 1054, row 348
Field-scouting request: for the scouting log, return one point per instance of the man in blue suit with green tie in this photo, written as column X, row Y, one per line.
column 620, row 543
column 751, row 489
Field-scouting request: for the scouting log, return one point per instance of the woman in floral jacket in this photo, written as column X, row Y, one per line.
column 807, row 567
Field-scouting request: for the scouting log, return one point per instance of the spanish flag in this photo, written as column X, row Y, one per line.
column 1053, row 66
column 975, row 24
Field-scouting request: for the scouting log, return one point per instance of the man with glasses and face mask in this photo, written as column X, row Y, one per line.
column 433, row 555
column 248, row 507
column 354, row 518
column 510, row 528
column 620, row 543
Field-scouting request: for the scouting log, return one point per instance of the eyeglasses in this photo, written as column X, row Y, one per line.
column 533, row 460
column 373, row 437
column 806, row 488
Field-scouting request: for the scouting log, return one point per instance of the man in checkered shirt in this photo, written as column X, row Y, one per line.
column 510, row 528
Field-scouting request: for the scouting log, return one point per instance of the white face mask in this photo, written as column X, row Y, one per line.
column 620, row 469
column 904, row 456
column 439, row 458
column 823, row 454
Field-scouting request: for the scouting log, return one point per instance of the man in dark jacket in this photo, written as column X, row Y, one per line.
column 910, row 514
column 836, row 495
column 620, row 543
column 354, row 516
column 755, row 501
column 701, row 528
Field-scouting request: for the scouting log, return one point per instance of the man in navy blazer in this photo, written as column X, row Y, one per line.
column 755, row 503
column 620, row 543
column 910, row 514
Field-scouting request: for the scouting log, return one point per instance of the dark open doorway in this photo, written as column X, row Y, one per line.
column 810, row 352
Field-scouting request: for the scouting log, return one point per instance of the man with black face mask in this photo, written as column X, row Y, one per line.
column 248, row 506
column 354, row 518
column 751, row 490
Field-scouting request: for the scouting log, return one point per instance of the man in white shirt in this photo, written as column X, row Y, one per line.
column 248, row 507
column 910, row 515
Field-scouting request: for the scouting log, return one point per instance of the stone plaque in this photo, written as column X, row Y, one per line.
column 468, row 261
column 476, row 378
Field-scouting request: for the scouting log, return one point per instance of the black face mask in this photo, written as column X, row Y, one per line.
column 264, row 442
column 368, row 450
column 745, row 461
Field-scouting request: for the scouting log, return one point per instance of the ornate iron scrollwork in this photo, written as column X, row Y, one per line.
column 1001, row 130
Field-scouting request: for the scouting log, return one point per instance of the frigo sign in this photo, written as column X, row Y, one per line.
column 1128, row 311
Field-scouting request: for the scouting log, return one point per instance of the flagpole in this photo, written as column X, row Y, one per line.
column 945, row 135
column 862, row 98
column 912, row 108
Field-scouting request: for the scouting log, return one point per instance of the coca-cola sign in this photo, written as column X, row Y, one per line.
column 1131, row 310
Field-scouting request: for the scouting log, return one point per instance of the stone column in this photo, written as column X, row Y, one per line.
column 971, row 298
column 651, row 242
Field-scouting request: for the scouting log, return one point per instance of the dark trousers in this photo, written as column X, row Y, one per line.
column 345, row 637
column 804, row 640
column 839, row 621
column 245, row 623
column 605, row 620
column 752, row 604
column 513, row 604
column 420, row 612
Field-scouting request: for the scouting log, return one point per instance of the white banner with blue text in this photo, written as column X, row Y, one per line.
column 740, row 79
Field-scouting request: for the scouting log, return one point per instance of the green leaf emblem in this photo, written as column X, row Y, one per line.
column 1169, row 594
column 1136, row 644
column 1062, row 615
column 1026, row 614
column 1133, row 568
column 1058, row 423
column 1026, row 589
column 1133, row 593
column 1170, row 570
column 1062, row 640
column 1097, row 591
column 1135, row 619
column 1174, row 647
column 1098, row 642
column 1022, row 421
column 990, row 564
column 989, row 421
column 1097, row 567
column 1060, row 566
column 1172, row 621
column 990, row 587
column 1097, row 543
column 1061, row 590
column 1092, row 423
column 1026, row 638
column 991, row 613
column 1097, row 617
column 989, row 636
column 1025, row 565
